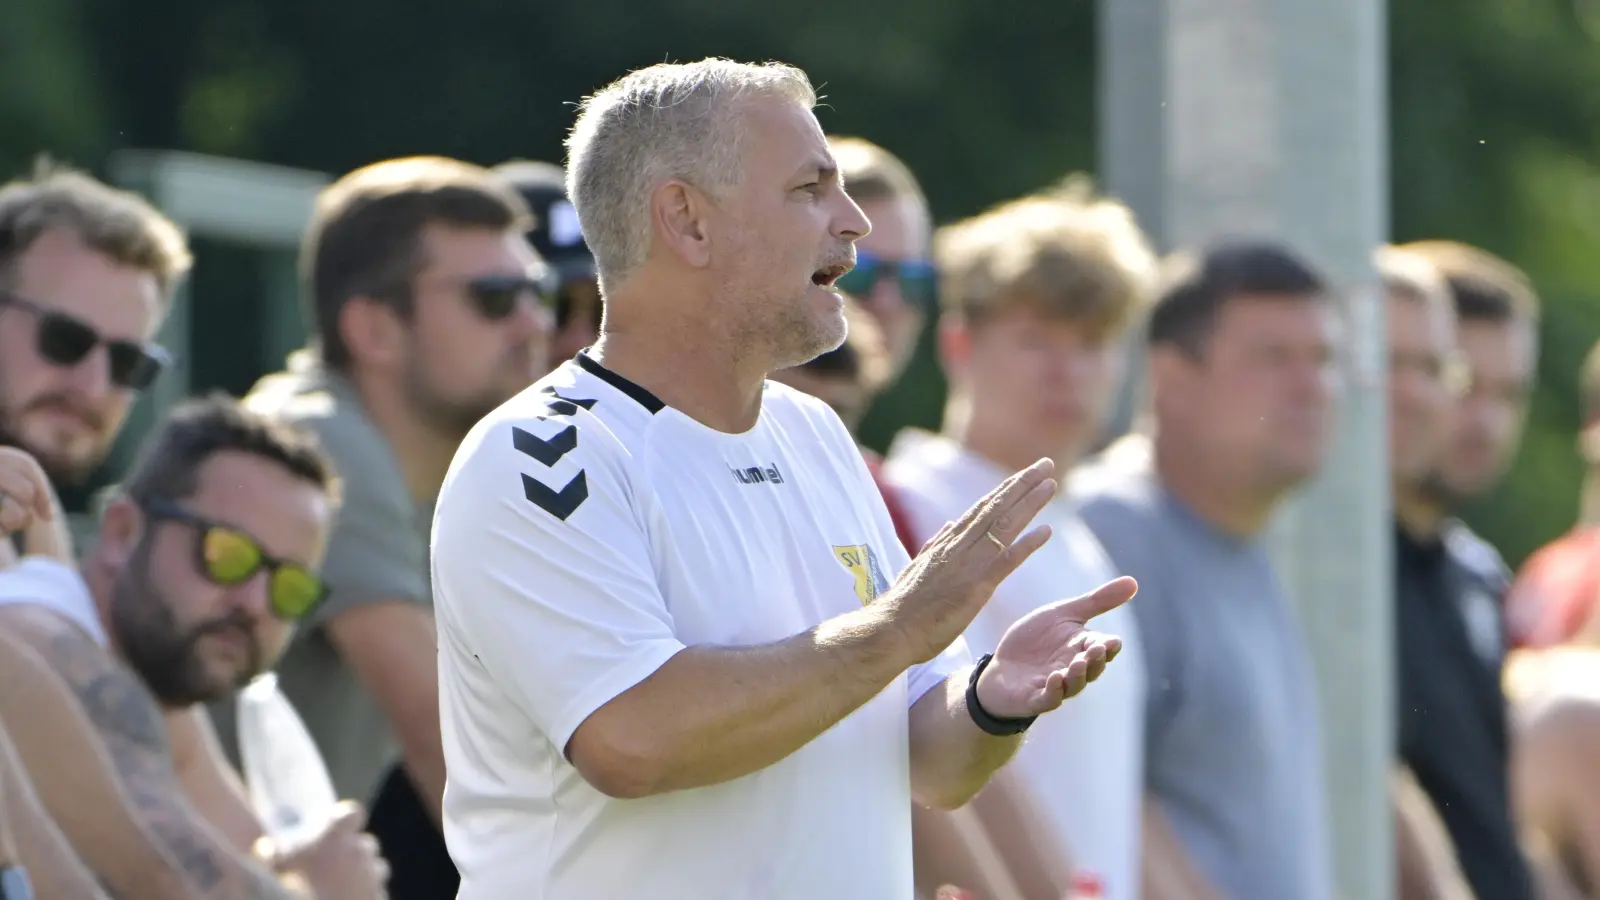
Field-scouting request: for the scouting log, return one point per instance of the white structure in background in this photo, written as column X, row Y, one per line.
column 1269, row 118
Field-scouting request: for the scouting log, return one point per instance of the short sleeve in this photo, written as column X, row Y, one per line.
column 377, row 551
column 544, row 574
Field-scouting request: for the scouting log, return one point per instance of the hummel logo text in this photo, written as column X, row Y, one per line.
column 758, row 474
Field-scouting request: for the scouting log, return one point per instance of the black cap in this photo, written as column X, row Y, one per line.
column 555, row 234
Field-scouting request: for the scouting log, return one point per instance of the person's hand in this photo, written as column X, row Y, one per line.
column 1050, row 654
column 340, row 863
column 28, row 504
column 958, row 569
column 936, row 597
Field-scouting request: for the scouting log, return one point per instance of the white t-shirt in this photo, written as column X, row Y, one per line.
column 584, row 535
column 56, row 586
column 1087, row 758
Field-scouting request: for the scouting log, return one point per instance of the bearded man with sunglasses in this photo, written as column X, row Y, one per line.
column 86, row 275
column 206, row 557
column 429, row 311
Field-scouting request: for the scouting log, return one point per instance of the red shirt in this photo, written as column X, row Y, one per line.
column 1554, row 595
column 897, row 513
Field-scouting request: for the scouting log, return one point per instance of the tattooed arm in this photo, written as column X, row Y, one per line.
column 125, row 724
column 38, row 844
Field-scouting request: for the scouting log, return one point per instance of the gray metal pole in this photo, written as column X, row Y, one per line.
column 1268, row 118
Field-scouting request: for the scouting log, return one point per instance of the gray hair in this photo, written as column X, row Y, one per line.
column 668, row 121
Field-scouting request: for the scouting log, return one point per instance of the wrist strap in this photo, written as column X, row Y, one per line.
column 991, row 724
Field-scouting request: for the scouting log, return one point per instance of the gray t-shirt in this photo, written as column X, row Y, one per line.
column 1233, row 746
column 378, row 553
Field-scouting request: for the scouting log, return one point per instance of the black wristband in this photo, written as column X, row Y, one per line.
column 980, row 716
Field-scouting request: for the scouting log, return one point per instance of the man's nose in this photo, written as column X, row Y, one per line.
column 91, row 376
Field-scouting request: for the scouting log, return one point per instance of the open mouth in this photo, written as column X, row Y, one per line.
column 827, row 275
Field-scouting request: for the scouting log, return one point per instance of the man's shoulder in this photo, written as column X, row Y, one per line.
column 1106, row 494
column 42, row 595
column 325, row 404
column 1476, row 555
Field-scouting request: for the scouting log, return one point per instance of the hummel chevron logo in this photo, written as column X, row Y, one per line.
column 560, row 503
column 565, row 406
column 546, row 451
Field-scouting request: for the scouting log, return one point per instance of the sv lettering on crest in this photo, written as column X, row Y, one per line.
column 862, row 564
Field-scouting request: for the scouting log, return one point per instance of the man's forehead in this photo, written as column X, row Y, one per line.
column 789, row 132
column 60, row 272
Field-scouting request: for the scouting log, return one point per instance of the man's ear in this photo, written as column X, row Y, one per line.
column 678, row 215
column 955, row 344
column 373, row 331
column 122, row 524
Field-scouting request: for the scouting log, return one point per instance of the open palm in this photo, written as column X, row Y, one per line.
column 1051, row 654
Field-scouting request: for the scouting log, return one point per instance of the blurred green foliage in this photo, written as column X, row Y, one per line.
column 1495, row 119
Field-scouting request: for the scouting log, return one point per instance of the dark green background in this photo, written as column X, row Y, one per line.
column 1495, row 114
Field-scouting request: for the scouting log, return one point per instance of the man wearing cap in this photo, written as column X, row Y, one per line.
column 558, row 240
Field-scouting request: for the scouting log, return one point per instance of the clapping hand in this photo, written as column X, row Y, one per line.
column 1050, row 654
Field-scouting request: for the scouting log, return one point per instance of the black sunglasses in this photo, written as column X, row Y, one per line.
column 917, row 279
column 66, row 341
column 227, row 557
column 498, row 296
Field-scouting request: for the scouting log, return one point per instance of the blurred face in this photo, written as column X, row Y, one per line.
column 1259, row 399
column 68, row 414
column 846, row 395
column 897, row 266
column 1501, row 358
column 1038, row 385
column 783, row 235
column 191, row 638
column 577, row 319
column 471, row 349
column 1424, row 377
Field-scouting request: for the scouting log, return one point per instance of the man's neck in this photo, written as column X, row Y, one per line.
column 422, row 451
column 1208, row 490
column 686, row 362
column 1421, row 516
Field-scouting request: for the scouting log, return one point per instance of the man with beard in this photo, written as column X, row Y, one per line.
column 205, row 559
column 429, row 311
column 86, row 275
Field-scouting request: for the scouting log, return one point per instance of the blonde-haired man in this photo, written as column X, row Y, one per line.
column 86, row 275
column 1037, row 294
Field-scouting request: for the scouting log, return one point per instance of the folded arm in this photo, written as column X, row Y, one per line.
column 101, row 707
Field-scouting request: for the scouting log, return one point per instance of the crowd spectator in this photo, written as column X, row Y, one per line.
column 429, row 311
column 1242, row 345
column 1037, row 294
column 1449, row 586
column 87, row 273
column 204, row 560
column 558, row 240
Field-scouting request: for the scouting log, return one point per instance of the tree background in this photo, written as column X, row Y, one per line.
column 1494, row 106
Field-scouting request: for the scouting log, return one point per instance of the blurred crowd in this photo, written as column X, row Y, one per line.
column 288, row 530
